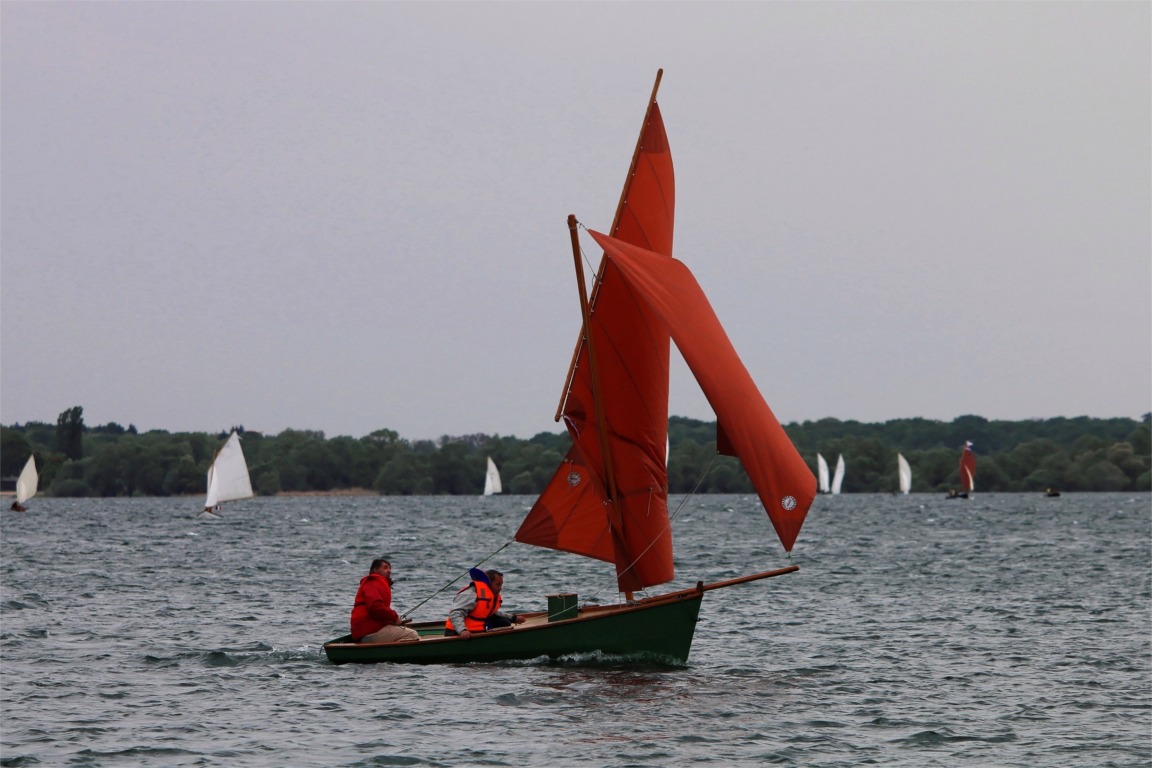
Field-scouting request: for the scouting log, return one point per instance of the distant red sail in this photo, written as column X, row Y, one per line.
column 968, row 469
column 779, row 474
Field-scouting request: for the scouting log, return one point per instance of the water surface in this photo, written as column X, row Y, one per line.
column 1005, row 630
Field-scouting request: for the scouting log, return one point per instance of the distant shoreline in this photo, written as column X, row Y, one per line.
column 334, row 492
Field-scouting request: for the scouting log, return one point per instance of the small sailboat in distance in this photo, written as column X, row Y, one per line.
column 967, row 473
column 822, row 474
column 26, row 485
column 227, row 476
column 838, row 475
column 492, row 479
column 905, row 473
column 967, row 469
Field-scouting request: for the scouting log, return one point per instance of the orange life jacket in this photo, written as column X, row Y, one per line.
column 487, row 603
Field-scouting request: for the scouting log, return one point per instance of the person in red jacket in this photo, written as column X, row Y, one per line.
column 373, row 620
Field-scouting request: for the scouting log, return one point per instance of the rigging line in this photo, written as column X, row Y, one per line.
column 486, row 559
column 595, row 275
column 668, row 525
column 679, row 509
column 695, row 488
column 584, row 253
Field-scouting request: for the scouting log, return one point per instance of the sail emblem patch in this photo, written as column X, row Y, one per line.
column 788, row 502
column 574, row 479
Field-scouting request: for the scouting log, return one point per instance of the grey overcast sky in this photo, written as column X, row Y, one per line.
column 351, row 216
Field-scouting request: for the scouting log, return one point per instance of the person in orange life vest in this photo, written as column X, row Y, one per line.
column 373, row 620
column 476, row 608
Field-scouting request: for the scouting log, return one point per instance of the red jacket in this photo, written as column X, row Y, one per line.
column 373, row 607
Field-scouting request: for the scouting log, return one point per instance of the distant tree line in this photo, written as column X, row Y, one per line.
column 1076, row 454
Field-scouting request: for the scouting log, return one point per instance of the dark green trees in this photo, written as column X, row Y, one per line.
column 1078, row 454
column 70, row 433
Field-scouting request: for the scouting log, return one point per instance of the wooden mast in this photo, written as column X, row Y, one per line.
column 601, row 426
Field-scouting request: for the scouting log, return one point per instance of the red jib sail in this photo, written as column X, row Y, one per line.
column 779, row 474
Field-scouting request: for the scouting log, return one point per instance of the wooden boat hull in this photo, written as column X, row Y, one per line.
column 660, row 629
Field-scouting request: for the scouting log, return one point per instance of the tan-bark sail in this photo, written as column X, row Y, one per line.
column 609, row 497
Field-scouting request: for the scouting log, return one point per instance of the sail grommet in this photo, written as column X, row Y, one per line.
column 788, row 502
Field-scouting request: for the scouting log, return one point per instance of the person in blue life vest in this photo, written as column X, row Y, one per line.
column 476, row 608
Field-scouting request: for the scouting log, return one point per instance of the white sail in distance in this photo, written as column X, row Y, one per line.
column 228, row 476
column 492, row 479
column 905, row 473
column 28, row 481
column 822, row 473
column 838, row 477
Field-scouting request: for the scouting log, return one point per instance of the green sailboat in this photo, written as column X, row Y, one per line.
column 608, row 499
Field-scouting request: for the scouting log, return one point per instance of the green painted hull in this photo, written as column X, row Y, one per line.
column 659, row 629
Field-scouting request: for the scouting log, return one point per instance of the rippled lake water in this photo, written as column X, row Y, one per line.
column 1005, row 630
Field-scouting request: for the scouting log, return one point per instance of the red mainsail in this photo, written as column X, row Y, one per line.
column 614, row 507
